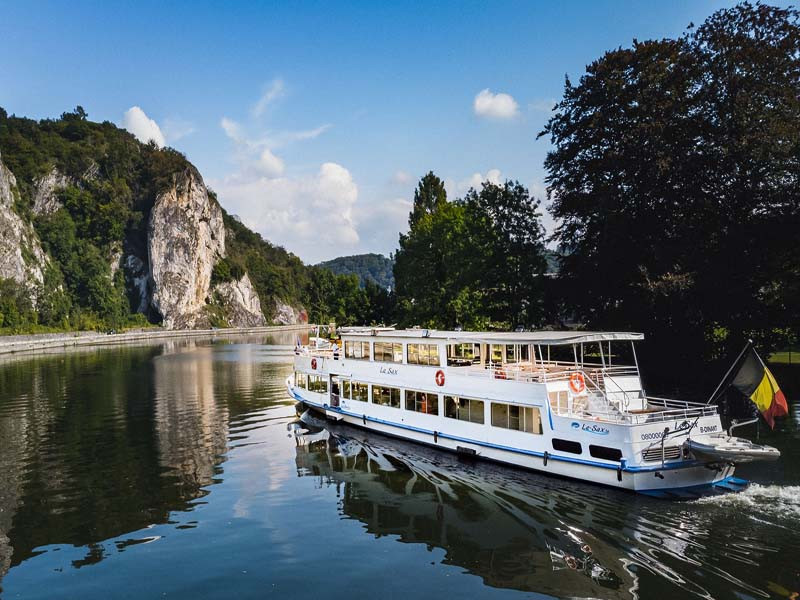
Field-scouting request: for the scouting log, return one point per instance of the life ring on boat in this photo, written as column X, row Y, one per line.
column 440, row 378
column 500, row 374
column 577, row 383
column 314, row 363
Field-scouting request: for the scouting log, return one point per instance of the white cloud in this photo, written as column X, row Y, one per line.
column 274, row 91
column 143, row 127
column 269, row 164
column 495, row 106
column 311, row 215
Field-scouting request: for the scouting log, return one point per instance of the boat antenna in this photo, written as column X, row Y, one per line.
column 724, row 379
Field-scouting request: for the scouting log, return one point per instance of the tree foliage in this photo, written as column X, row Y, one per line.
column 674, row 177
column 476, row 262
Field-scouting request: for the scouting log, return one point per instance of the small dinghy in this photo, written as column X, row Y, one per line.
column 722, row 448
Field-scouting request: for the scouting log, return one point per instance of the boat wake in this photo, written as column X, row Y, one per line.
column 774, row 500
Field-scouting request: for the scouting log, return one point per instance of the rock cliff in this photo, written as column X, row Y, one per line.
column 241, row 302
column 21, row 256
column 186, row 238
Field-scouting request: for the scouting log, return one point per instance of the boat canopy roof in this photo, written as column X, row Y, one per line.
column 543, row 338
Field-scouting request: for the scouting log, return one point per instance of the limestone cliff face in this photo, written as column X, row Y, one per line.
column 186, row 237
column 21, row 256
column 45, row 201
column 288, row 315
column 241, row 302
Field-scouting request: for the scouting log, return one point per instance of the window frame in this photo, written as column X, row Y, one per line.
column 469, row 409
column 431, row 401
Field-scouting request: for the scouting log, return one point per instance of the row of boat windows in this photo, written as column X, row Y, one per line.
column 428, row 354
column 417, row 354
column 508, row 416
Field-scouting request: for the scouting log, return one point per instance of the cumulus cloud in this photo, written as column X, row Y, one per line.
column 495, row 106
column 273, row 91
column 143, row 127
column 311, row 215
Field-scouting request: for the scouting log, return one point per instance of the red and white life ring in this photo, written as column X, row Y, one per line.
column 500, row 374
column 440, row 378
column 314, row 363
column 577, row 383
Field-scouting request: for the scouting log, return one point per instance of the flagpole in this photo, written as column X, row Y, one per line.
column 736, row 362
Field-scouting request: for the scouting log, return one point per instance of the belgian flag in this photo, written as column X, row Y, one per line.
column 756, row 382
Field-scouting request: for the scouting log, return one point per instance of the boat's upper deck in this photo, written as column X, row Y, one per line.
column 609, row 380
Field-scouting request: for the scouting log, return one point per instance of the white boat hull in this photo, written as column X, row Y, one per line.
column 650, row 479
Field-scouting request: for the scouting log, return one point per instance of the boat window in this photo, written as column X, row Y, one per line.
column 519, row 418
column 510, row 354
column 497, row 353
column 461, row 355
column 423, row 354
column 317, row 384
column 345, row 387
column 359, row 391
column 300, row 380
column 463, row 409
column 356, row 350
column 605, row 453
column 388, row 352
column 424, row 402
column 523, row 353
column 567, row 446
column 387, row 396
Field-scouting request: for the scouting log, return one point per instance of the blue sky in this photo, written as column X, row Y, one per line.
column 313, row 121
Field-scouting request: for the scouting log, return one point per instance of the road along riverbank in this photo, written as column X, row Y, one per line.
column 46, row 341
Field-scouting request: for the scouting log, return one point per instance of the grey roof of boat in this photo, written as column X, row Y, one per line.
column 544, row 338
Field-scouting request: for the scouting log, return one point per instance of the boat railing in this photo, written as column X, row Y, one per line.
column 546, row 372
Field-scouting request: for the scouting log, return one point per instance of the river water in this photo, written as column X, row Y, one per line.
column 179, row 470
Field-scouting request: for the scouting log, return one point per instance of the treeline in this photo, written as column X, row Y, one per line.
column 103, row 213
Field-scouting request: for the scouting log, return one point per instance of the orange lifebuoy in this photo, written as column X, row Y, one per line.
column 576, row 383
column 314, row 363
column 440, row 378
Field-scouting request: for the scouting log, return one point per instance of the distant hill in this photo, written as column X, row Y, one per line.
column 376, row 267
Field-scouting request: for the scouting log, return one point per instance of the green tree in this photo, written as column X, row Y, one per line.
column 675, row 178
column 504, row 221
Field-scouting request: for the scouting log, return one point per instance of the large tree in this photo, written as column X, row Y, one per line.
column 675, row 178
column 477, row 262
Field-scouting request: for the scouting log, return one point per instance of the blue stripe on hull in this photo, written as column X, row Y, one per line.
column 569, row 459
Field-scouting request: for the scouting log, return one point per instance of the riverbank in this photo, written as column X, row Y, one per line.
column 45, row 341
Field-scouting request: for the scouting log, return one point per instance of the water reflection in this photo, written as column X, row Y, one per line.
column 487, row 523
column 521, row 531
column 95, row 443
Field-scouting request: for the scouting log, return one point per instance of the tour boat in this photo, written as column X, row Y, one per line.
column 558, row 402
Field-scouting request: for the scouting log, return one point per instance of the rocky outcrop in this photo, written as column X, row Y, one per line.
column 186, row 237
column 241, row 303
column 288, row 315
column 45, row 190
column 21, row 256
